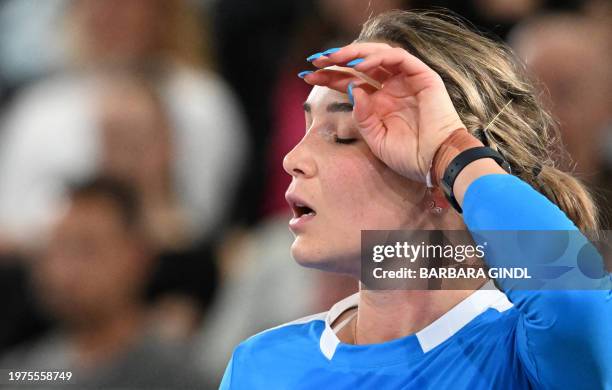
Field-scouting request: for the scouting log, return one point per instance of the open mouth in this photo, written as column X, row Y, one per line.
column 303, row 213
column 300, row 210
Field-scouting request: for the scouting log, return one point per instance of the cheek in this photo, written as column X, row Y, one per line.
column 333, row 242
column 343, row 191
column 365, row 194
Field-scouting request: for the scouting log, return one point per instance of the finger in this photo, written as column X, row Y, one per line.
column 338, row 81
column 355, row 73
column 369, row 124
column 348, row 53
column 397, row 60
column 410, row 64
column 379, row 75
column 362, row 107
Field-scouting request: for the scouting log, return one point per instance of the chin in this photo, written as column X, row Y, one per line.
column 325, row 258
column 306, row 254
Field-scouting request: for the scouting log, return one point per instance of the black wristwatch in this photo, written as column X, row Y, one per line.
column 460, row 162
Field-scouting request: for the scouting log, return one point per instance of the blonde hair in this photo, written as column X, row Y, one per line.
column 490, row 89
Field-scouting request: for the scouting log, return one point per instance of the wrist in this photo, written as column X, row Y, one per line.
column 471, row 172
column 460, row 160
column 458, row 141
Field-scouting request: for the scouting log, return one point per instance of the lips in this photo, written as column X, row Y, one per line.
column 302, row 211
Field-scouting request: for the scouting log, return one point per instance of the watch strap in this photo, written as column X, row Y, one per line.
column 461, row 161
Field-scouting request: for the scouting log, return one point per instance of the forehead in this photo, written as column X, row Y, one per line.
column 321, row 96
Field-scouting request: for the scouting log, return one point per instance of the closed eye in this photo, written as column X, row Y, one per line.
column 345, row 141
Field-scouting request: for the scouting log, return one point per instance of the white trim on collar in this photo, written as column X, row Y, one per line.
column 329, row 341
column 459, row 316
column 435, row 333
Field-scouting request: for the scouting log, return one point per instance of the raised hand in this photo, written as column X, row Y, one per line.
column 405, row 121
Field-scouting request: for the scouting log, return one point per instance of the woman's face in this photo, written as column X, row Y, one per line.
column 340, row 188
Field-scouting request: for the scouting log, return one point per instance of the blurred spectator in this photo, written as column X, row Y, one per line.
column 137, row 147
column 156, row 38
column 129, row 98
column 570, row 54
column 207, row 140
column 91, row 279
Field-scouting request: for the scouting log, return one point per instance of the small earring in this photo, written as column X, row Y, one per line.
column 433, row 208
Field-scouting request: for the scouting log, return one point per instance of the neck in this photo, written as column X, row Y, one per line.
column 387, row 315
column 105, row 338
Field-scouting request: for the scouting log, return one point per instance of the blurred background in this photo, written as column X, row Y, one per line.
column 143, row 226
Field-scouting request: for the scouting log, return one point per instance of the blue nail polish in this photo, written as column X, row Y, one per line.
column 355, row 62
column 304, row 73
column 314, row 56
column 331, row 51
column 350, row 93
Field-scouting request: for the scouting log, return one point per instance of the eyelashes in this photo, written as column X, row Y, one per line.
column 330, row 133
column 344, row 141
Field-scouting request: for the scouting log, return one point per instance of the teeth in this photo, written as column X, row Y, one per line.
column 302, row 210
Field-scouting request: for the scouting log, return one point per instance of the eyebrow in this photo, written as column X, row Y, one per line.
column 333, row 107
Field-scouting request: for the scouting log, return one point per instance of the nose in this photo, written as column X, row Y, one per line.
column 299, row 162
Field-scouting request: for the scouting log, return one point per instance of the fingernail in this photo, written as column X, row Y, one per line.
column 331, row 51
column 350, row 93
column 355, row 62
column 304, row 73
column 314, row 57
column 323, row 53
